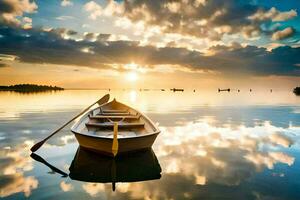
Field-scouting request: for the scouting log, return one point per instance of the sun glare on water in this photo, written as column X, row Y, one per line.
column 132, row 76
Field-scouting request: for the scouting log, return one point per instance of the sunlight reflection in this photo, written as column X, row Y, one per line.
column 133, row 96
column 132, row 76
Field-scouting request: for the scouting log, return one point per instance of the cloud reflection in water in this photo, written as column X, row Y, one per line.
column 14, row 162
column 198, row 158
column 205, row 150
column 222, row 155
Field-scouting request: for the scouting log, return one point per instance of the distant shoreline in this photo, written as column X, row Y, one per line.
column 26, row 88
column 297, row 91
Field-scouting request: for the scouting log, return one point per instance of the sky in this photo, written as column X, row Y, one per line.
column 150, row 44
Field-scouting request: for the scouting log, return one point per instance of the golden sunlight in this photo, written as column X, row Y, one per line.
column 132, row 76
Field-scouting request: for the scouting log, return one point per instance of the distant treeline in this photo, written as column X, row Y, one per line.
column 297, row 90
column 29, row 88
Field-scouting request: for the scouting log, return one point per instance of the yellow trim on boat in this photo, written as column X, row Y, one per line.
column 115, row 145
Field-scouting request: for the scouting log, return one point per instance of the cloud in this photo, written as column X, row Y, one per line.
column 198, row 152
column 2, row 65
column 273, row 14
column 18, row 183
column 62, row 32
column 111, row 8
column 14, row 163
column 90, row 36
column 280, row 139
column 27, row 22
column 11, row 9
column 207, row 19
column 66, row 187
column 65, row 3
column 285, row 33
column 103, row 37
column 7, row 57
column 64, row 17
column 56, row 46
column 93, row 188
column 94, row 9
column 198, row 18
column 262, row 160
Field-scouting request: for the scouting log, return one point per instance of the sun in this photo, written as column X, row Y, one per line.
column 132, row 76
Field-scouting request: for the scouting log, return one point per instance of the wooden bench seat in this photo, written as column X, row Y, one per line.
column 114, row 111
column 113, row 114
column 111, row 125
column 114, row 117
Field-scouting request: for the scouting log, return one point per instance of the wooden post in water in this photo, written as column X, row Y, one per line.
column 115, row 145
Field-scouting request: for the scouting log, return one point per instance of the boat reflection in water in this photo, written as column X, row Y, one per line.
column 91, row 167
column 88, row 166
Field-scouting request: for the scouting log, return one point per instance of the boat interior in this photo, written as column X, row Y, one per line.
column 100, row 121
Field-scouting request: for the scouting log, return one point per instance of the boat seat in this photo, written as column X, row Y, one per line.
column 114, row 114
column 122, row 134
column 114, row 111
column 111, row 125
column 114, row 117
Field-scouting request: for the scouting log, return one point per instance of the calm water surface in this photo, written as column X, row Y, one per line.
column 212, row 146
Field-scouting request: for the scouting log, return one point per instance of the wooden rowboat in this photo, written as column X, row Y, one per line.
column 115, row 128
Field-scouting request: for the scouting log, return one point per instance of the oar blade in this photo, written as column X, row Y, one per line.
column 38, row 145
column 104, row 99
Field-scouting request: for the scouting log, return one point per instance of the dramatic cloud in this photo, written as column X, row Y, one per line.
column 285, row 33
column 55, row 46
column 11, row 9
column 200, row 18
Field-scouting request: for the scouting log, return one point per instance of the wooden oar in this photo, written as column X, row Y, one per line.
column 38, row 145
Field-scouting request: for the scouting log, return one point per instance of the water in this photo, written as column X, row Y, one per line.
column 212, row 146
